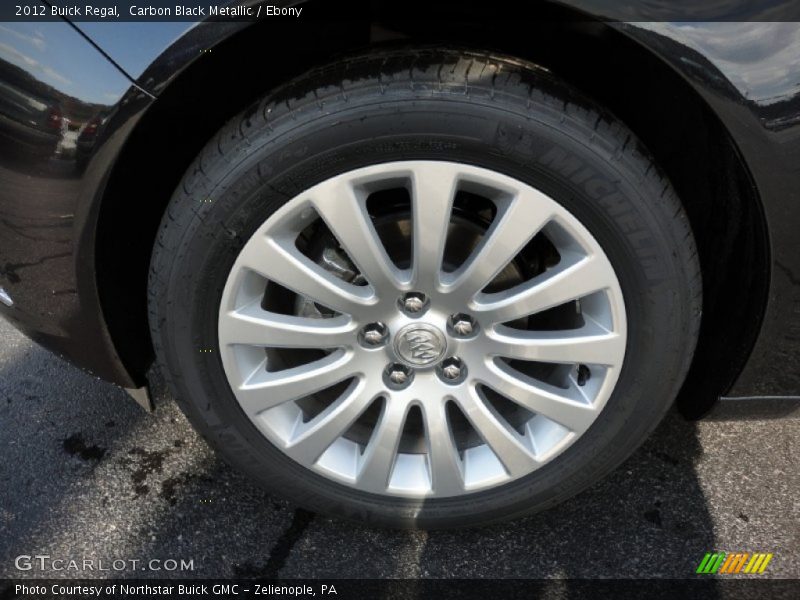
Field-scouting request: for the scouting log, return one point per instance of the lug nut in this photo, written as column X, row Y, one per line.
column 374, row 335
column 452, row 370
column 462, row 325
column 414, row 303
column 397, row 376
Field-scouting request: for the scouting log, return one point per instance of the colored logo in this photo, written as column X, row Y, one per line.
column 734, row 562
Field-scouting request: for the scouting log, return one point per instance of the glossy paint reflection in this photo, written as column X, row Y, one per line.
column 65, row 111
column 750, row 74
column 51, row 101
column 759, row 60
column 59, row 101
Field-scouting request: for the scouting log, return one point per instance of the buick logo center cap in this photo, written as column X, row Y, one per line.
column 419, row 344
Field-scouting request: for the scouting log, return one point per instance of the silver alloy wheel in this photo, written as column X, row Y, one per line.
column 438, row 368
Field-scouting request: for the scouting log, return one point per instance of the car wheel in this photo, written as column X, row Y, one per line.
column 425, row 288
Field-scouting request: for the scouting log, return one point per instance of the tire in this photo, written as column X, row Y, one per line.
column 485, row 111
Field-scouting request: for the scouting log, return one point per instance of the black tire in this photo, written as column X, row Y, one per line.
column 491, row 111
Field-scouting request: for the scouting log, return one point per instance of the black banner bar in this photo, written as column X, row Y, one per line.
column 342, row 589
column 111, row 11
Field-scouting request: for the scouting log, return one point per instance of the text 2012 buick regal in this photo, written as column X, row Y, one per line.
column 418, row 271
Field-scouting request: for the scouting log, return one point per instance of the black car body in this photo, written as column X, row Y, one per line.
column 717, row 103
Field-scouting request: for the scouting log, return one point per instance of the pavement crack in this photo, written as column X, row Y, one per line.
column 282, row 549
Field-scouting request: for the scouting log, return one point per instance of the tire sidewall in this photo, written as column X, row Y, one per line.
column 609, row 195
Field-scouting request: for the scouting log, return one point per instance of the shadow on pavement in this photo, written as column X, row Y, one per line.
column 87, row 473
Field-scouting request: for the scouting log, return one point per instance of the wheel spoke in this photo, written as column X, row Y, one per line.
column 264, row 390
column 432, row 311
column 506, row 444
column 380, row 454
column 541, row 399
column 285, row 265
column 254, row 326
column 317, row 435
column 521, row 219
column 344, row 210
column 433, row 191
column 446, row 471
column 552, row 288
column 588, row 345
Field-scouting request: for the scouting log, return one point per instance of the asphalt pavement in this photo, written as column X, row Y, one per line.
column 85, row 473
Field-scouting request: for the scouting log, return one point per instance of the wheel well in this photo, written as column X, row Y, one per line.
column 686, row 139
